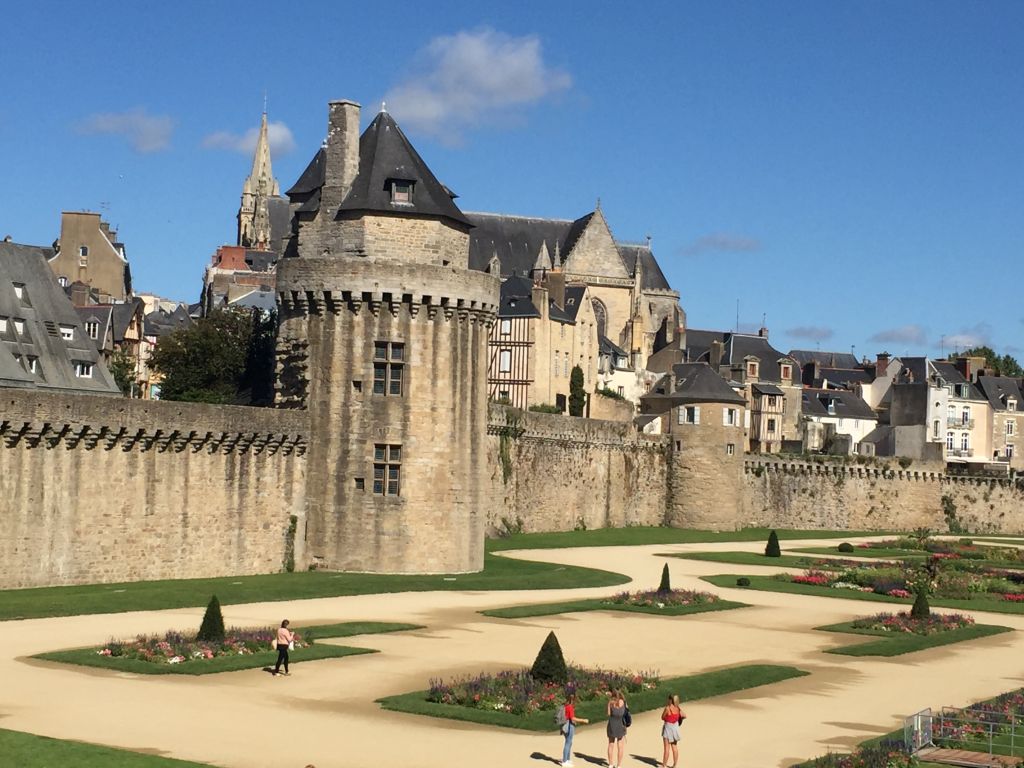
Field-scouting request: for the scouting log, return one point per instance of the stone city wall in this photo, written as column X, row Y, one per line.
column 550, row 472
column 97, row 489
column 795, row 493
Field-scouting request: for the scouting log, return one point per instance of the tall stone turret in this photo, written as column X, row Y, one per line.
column 383, row 338
column 254, row 229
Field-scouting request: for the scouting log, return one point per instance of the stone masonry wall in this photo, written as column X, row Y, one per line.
column 96, row 489
column 556, row 473
column 801, row 494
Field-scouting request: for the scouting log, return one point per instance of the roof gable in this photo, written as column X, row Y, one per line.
column 591, row 250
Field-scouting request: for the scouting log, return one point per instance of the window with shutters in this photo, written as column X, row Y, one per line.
column 689, row 414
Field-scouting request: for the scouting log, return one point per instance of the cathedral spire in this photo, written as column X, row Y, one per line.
column 253, row 218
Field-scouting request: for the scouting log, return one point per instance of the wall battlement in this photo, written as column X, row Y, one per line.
column 569, row 430
column 933, row 474
column 32, row 418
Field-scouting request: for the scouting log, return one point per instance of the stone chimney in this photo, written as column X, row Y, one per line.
column 80, row 294
column 556, row 287
column 762, row 332
column 539, row 296
column 881, row 364
column 963, row 364
column 715, row 355
column 342, row 148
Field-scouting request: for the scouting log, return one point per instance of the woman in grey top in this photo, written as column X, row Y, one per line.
column 616, row 729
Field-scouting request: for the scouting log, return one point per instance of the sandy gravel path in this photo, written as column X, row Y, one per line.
column 324, row 713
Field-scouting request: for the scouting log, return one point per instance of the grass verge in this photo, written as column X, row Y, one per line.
column 748, row 558
column 87, row 657
column 499, row 574
column 699, row 686
column 578, row 606
column 352, row 628
column 768, row 584
column 633, row 536
column 26, row 750
column 893, row 644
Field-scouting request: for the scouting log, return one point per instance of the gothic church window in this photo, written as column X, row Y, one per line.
column 601, row 317
column 388, row 367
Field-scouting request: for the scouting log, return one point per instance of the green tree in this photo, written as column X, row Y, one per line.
column 212, row 628
column 1002, row 365
column 549, row 667
column 772, row 549
column 666, row 584
column 225, row 357
column 122, row 368
column 577, row 395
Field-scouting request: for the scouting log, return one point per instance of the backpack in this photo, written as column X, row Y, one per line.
column 627, row 718
column 560, row 718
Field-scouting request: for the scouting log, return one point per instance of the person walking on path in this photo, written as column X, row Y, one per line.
column 569, row 729
column 671, row 716
column 616, row 729
column 285, row 638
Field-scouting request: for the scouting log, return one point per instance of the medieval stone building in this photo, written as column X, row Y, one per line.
column 383, row 340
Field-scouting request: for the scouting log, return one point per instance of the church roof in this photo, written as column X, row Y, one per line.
column 385, row 154
column 653, row 279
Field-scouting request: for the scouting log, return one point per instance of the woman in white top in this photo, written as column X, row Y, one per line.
column 285, row 637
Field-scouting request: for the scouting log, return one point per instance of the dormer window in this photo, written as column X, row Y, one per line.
column 1011, row 405
column 401, row 191
column 787, row 372
column 19, row 290
column 751, row 369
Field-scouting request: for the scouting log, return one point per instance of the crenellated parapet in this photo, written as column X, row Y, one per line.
column 315, row 286
column 837, row 469
column 34, row 419
column 569, row 431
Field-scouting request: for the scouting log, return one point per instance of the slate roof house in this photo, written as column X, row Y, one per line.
column 43, row 343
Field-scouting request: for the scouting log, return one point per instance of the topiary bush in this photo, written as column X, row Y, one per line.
column 846, row 547
column 212, row 628
column 549, row 666
column 921, row 610
column 742, row 581
column 772, row 548
column 666, row 584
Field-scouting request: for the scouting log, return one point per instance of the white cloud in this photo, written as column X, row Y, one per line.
column 812, row 332
column 145, row 132
column 278, row 134
column 721, row 242
column 471, row 78
column 975, row 336
column 903, row 334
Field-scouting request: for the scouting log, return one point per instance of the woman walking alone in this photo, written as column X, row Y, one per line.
column 671, row 716
column 616, row 729
column 285, row 638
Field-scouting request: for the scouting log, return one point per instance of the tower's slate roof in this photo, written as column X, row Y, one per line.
column 694, row 383
column 385, row 153
column 312, row 179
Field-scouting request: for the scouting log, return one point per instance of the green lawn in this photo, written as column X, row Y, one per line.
column 87, row 657
column 578, row 606
column 748, row 558
column 892, row 644
column 26, row 750
column 880, row 553
column 499, row 574
column 768, row 584
column 622, row 537
column 699, row 686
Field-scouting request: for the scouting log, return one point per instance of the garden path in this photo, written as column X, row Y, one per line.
column 324, row 713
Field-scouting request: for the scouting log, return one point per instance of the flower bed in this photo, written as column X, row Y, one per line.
column 659, row 599
column 904, row 622
column 179, row 648
column 888, row 754
column 518, row 693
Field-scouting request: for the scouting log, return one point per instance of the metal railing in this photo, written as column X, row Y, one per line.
column 979, row 729
column 964, row 453
column 960, row 423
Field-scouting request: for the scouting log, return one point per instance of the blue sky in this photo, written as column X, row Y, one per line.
column 850, row 171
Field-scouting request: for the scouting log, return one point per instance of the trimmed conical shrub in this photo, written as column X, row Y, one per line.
column 921, row 609
column 550, row 664
column 772, row 549
column 212, row 628
column 666, row 585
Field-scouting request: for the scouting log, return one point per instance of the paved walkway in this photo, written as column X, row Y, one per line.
column 324, row 713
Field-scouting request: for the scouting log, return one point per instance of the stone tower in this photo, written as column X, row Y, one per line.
column 254, row 229
column 383, row 338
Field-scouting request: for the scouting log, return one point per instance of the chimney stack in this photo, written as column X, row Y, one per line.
column 715, row 355
column 881, row 364
column 556, row 287
column 342, row 148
